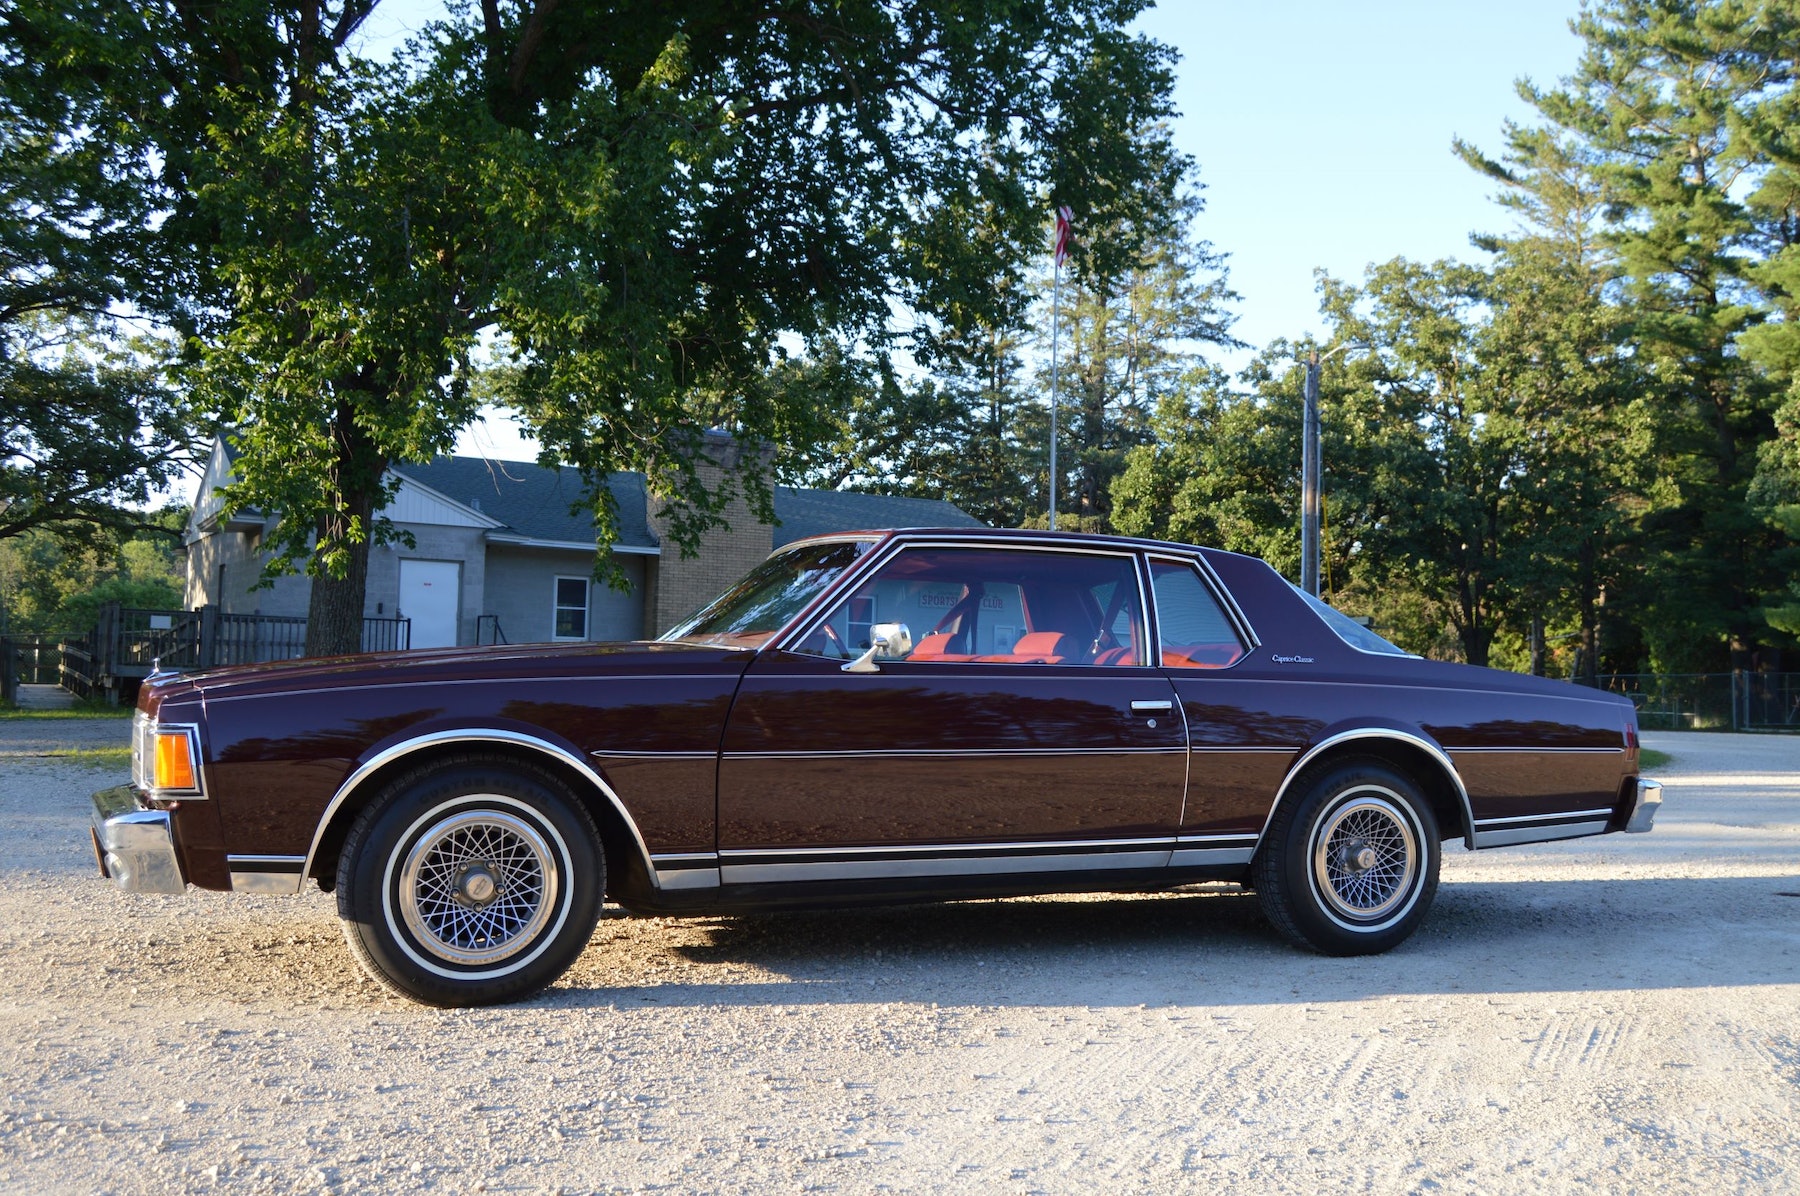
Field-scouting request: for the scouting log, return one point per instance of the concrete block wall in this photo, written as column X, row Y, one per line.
column 521, row 589
column 232, row 589
column 461, row 544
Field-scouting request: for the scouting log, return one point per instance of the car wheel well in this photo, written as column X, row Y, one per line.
column 1425, row 771
column 624, row 863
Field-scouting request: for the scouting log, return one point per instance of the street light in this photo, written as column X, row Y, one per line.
column 1310, row 467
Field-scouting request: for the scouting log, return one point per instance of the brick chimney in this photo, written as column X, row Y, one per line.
column 678, row 586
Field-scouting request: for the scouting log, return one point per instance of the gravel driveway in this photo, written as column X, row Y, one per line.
column 1618, row 1014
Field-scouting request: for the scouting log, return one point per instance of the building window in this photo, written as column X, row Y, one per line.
column 571, row 609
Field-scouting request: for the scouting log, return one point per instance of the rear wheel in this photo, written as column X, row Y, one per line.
column 471, row 882
column 1350, row 867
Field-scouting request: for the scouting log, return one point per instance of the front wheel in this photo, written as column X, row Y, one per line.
column 1350, row 866
column 471, row 882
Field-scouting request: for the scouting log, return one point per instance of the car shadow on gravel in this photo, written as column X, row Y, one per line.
column 1215, row 946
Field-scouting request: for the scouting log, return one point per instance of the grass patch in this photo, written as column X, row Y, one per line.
column 1649, row 758
column 105, row 755
column 15, row 713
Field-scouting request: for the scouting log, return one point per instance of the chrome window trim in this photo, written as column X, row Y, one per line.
column 1209, row 577
column 1401, row 654
column 471, row 735
column 1246, row 634
column 1431, row 749
column 809, row 619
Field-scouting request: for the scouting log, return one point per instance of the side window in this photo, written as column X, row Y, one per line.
column 1196, row 633
column 994, row 606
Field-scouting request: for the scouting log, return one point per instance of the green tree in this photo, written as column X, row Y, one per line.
column 51, row 584
column 1655, row 108
column 1131, row 339
column 641, row 200
column 89, row 430
column 88, row 422
column 1567, row 397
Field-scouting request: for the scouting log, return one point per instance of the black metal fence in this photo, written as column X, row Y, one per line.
column 127, row 643
column 1737, row 701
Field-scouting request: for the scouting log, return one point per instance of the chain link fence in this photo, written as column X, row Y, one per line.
column 1735, row 701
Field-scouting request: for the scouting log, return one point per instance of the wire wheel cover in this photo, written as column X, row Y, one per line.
column 1365, row 857
column 478, row 887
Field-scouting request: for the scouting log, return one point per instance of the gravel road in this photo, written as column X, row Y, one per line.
column 1618, row 1014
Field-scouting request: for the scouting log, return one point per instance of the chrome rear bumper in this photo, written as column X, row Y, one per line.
column 135, row 847
column 1644, row 806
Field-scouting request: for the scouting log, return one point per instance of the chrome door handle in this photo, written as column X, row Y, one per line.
column 1151, row 707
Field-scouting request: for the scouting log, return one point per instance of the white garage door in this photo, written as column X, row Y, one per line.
column 430, row 593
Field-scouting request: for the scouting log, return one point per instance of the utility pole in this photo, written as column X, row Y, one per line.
column 1065, row 228
column 1309, row 480
column 1311, row 468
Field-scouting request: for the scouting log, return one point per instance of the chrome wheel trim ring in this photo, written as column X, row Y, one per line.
column 530, row 921
column 1367, row 819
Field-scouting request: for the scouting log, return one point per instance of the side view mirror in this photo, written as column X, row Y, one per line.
column 889, row 641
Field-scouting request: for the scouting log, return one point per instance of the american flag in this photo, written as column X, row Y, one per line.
column 1065, row 219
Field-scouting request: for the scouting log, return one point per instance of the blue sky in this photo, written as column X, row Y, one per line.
column 1322, row 129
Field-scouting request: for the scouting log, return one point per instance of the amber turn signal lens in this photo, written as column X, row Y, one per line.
column 174, row 761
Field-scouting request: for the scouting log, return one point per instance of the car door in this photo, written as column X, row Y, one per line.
column 1241, row 745
column 1026, row 731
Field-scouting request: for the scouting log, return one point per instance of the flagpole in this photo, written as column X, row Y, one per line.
column 1055, row 317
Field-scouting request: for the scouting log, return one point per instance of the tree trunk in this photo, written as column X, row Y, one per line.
column 334, row 613
column 1537, row 645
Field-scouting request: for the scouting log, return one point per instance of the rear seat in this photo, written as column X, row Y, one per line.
column 1201, row 656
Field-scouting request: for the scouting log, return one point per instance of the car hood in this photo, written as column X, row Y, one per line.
column 427, row 665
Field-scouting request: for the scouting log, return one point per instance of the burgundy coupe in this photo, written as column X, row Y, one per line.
column 890, row 716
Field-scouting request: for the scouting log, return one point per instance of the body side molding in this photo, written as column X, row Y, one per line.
column 1431, row 749
column 472, row 735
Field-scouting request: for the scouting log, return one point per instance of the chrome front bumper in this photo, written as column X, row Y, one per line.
column 1644, row 806
column 135, row 847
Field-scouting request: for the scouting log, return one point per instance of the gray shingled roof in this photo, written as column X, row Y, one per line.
column 534, row 501
column 817, row 512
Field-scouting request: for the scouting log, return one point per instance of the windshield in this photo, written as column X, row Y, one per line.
column 770, row 595
column 1349, row 630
